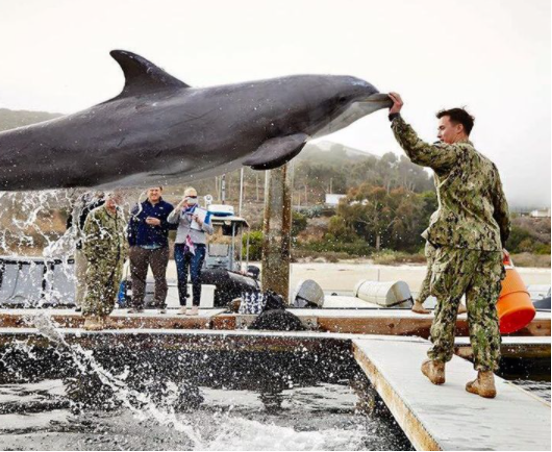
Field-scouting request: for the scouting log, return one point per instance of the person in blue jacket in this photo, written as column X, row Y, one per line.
column 148, row 237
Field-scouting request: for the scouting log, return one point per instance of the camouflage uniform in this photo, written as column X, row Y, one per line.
column 424, row 290
column 468, row 231
column 105, row 247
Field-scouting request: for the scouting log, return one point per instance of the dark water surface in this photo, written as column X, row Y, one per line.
column 69, row 398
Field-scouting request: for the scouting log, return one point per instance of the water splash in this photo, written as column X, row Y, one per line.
column 28, row 220
column 140, row 404
column 245, row 434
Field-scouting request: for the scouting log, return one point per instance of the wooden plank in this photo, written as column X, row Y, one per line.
column 395, row 322
column 401, row 322
column 447, row 417
column 119, row 319
column 530, row 347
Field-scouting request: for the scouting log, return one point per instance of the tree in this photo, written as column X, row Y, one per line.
column 393, row 219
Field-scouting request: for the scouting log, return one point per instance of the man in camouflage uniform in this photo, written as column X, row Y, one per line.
column 468, row 233
column 105, row 248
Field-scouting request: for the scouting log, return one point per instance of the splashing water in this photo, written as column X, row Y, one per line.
column 25, row 216
column 204, row 431
column 245, row 434
column 140, row 404
column 33, row 232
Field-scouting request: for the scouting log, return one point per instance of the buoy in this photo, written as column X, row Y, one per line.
column 515, row 308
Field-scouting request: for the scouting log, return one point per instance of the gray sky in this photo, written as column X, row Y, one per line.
column 492, row 56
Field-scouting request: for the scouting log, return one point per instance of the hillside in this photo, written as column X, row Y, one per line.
column 10, row 119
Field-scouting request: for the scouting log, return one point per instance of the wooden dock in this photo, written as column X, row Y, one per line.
column 395, row 322
column 432, row 417
column 447, row 417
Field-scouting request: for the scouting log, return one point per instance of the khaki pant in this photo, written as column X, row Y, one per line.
column 140, row 260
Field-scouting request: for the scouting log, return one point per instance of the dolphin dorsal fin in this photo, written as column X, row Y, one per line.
column 142, row 76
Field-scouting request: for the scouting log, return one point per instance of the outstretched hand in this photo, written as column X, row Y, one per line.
column 397, row 103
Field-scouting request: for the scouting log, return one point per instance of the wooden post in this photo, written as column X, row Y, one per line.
column 277, row 231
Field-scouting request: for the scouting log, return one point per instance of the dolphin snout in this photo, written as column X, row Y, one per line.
column 380, row 98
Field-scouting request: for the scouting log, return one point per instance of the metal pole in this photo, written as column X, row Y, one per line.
column 277, row 231
column 223, row 189
column 241, row 193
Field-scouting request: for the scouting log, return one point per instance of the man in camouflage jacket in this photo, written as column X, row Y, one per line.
column 105, row 247
column 468, row 234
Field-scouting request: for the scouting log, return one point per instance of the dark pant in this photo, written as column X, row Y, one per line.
column 140, row 259
column 195, row 262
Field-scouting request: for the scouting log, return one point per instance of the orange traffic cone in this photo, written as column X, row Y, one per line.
column 515, row 308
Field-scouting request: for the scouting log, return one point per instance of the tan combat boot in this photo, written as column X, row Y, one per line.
column 483, row 385
column 434, row 370
column 418, row 308
column 92, row 323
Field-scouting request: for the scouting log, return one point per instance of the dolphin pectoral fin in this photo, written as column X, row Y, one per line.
column 276, row 152
column 142, row 76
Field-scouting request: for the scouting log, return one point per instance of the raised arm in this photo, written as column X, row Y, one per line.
column 166, row 224
column 174, row 216
column 439, row 156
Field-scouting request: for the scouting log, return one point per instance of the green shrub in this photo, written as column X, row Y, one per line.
column 298, row 223
column 255, row 245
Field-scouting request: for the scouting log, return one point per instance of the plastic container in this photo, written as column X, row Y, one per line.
column 515, row 308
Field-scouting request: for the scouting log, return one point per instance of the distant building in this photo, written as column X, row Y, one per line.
column 540, row 213
column 332, row 200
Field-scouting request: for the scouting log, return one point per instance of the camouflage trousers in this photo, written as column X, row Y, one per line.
column 478, row 275
column 103, row 278
column 426, row 284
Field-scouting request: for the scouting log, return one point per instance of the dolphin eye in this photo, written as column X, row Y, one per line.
column 342, row 99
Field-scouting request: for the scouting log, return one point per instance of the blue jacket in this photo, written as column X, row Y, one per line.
column 142, row 234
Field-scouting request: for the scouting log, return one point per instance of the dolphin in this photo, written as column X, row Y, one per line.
column 159, row 130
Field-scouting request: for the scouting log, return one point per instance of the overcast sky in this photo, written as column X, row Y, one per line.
column 491, row 56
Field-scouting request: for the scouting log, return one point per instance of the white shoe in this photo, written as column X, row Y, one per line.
column 194, row 310
column 182, row 311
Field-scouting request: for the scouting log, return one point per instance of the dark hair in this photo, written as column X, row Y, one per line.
column 458, row 116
